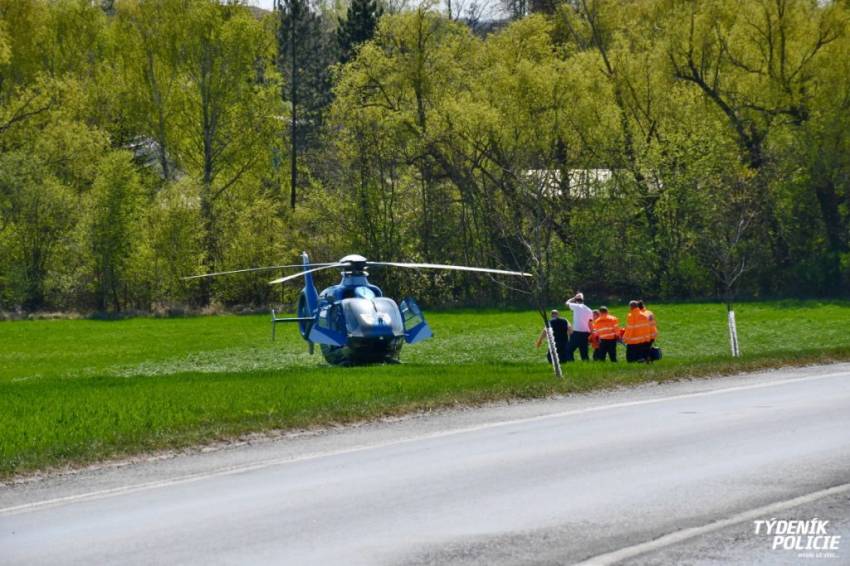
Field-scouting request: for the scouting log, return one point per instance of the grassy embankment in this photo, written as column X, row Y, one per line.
column 75, row 391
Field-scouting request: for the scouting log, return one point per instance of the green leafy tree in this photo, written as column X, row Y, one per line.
column 5, row 49
column 26, row 31
column 171, row 246
column 227, row 119
column 37, row 214
column 152, row 38
column 756, row 63
column 254, row 237
column 113, row 227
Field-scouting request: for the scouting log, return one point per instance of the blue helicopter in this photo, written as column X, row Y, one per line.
column 352, row 321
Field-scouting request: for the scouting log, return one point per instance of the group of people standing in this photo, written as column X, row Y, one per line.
column 600, row 331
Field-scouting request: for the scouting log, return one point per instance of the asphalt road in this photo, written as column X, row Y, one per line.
column 658, row 474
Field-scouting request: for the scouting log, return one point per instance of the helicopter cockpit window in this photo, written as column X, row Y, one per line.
column 333, row 319
column 364, row 292
column 359, row 292
column 337, row 319
column 365, row 317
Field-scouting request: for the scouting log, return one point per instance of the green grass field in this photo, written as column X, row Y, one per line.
column 75, row 391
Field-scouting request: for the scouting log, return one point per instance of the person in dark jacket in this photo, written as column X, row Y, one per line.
column 561, row 331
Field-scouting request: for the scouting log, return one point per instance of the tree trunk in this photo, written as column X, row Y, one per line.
column 293, row 95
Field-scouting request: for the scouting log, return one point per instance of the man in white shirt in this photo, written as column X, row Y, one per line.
column 582, row 315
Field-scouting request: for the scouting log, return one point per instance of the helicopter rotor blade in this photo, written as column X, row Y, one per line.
column 252, row 269
column 450, row 267
column 301, row 273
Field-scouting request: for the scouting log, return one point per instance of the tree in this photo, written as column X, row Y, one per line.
column 359, row 26
column 113, row 227
column 817, row 184
column 24, row 91
column 25, row 27
column 172, row 246
column 37, row 212
column 516, row 9
column 227, row 118
column 5, row 50
column 305, row 54
column 625, row 60
column 151, row 38
column 108, row 6
column 756, row 63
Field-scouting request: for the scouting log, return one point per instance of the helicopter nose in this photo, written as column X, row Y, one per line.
column 375, row 319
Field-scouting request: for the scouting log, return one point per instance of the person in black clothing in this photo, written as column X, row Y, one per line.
column 561, row 331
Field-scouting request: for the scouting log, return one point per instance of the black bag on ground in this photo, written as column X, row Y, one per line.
column 654, row 354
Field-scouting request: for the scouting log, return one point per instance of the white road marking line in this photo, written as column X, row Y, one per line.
column 232, row 470
column 685, row 534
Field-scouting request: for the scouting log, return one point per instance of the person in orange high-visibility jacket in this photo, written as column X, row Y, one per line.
column 606, row 329
column 593, row 340
column 639, row 335
column 651, row 316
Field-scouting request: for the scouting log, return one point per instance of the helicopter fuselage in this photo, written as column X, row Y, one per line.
column 354, row 323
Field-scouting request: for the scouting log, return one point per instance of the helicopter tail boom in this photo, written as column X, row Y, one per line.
column 310, row 293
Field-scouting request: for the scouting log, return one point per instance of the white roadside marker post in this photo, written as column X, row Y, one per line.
column 733, row 336
column 553, row 352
